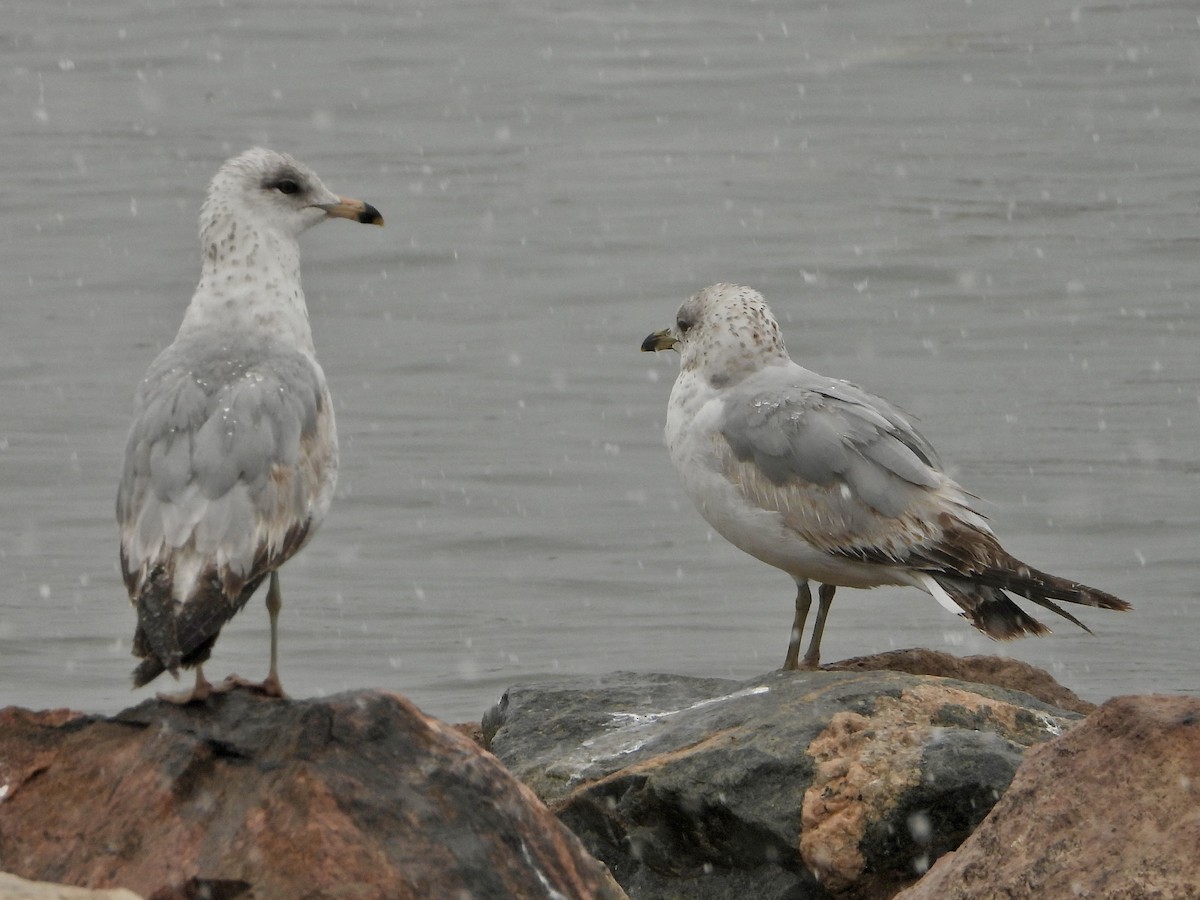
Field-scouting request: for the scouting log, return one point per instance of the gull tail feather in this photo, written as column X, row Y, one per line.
column 172, row 634
column 981, row 598
column 147, row 670
column 987, row 608
column 973, row 571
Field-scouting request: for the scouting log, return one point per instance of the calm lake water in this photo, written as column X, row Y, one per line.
column 987, row 212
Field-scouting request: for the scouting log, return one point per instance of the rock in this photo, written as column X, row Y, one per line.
column 1008, row 673
column 1108, row 810
column 356, row 796
column 14, row 888
column 794, row 784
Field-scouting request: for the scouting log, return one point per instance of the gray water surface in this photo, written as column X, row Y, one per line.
column 986, row 212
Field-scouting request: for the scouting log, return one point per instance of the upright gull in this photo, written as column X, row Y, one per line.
column 827, row 482
column 232, row 457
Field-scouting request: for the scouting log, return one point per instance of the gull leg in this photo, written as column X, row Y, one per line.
column 198, row 694
column 812, row 656
column 271, row 686
column 803, row 603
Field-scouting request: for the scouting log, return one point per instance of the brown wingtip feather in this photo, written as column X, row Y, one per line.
column 975, row 571
column 1042, row 588
column 1090, row 596
column 982, row 598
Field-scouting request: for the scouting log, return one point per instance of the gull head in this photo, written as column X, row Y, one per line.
column 724, row 332
column 267, row 190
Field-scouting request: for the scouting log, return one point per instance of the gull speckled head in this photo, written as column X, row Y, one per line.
column 724, row 331
column 275, row 191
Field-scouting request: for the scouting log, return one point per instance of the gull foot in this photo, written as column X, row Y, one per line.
column 200, row 692
column 269, row 687
column 804, row 665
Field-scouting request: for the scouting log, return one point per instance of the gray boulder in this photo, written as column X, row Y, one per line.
column 790, row 785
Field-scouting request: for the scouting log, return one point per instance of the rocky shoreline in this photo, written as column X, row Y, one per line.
column 911, row 774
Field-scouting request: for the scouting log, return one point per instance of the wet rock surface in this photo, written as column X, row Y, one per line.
column 998, row 670
column 797, row 784
column 355, row 796
column 847, row 782
column 1111, row 809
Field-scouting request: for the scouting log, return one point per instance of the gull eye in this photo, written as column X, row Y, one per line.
column 683, row 325
column 287, row 186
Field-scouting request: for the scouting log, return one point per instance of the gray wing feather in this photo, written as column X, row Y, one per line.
column 169, row 461
column 792, row 424
column 844, row 469
column 210, row 431
column 814, row 450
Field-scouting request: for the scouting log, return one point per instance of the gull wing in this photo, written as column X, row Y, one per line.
column 850, row 474
column 845, row 469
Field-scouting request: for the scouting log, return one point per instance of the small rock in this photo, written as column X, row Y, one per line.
column 14, row 888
